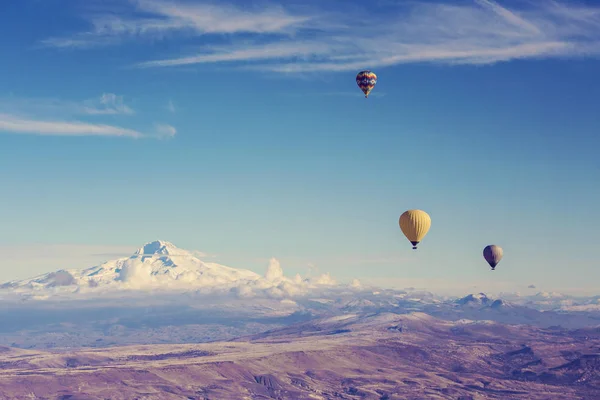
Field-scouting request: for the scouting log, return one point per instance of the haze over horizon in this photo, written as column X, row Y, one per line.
column 238, row 131
column 162, row 265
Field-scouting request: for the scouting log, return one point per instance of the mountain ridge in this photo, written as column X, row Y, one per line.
column 160, row 265
column 368, row 356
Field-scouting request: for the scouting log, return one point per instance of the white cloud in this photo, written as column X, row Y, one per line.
column 210, row 18
column 136, row 274
column 274, row 271
column 171, row 17
column 165, row 131
column 139, row 273
column 109, row 103
column 355, row 283
column 276, row 285
column 13, row 124
column 106, row 104
column 324, row 279
column 19, row 125
column 244, row 53
column 47, row 116
column 171, row 106
column 202, row 255
column 476, row 32
column 27, row 261
column 510, row 16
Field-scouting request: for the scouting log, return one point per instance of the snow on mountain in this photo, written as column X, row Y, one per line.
column 479, row 299
column 359, row 304
column 499, row 303
column 465, row 321
column 582, row 307
column 161, row 247
column 160, row 265
column 548, row 295
column 554, row 301
column 421, row 296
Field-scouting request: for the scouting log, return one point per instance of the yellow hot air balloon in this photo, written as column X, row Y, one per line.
column 415, row 224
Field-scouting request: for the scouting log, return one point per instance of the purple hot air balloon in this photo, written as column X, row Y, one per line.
column 493, row 255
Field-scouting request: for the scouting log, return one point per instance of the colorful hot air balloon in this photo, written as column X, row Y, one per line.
column 415, row 224
column 493, row 254
column 366, row 81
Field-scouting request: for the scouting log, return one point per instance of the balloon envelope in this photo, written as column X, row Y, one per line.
column 493, row 254
column 366, row 81
column 415, row 224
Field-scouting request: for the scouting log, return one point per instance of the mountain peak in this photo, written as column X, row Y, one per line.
column 479, row 298
column 499, row 303
column 157, row 264
column 160, row 247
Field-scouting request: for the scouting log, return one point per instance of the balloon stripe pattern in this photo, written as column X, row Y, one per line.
column 415, row 224
column 366, row 81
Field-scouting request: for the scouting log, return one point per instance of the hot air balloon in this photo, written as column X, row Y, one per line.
column 493, row 255
column 366, row 81
column 415, row 224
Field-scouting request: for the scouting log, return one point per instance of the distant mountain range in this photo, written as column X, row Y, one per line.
column 160, row 266
column 163, row 294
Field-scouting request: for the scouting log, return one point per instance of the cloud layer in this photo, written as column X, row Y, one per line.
column 290, row 39
column 160, row 266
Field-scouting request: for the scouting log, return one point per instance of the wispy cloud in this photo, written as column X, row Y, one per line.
column 18, row 125
column 202, row 255
column 244, row 53
column 165, row 131
column 14, row 124
column 54, row 117
column 191, row 19
column 27, row 260
column 52, row 251
column 479, row 32
column 171, row 106
column 106, row 104
column 109, row 103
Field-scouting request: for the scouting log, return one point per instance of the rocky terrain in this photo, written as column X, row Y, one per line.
column 354, row 356
column 163, row 324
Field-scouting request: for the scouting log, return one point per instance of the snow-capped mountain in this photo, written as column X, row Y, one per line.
column 168, row 294
column 479, row 299
column 160, row 265
column 156, row 263
column 554, row 301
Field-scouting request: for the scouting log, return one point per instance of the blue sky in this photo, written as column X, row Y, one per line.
column 237, row 129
